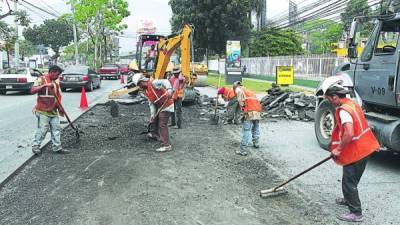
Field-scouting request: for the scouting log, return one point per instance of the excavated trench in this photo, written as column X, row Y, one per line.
column 114, row 176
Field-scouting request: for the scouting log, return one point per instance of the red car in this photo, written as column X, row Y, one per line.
column 109, row 71
column 124, row 69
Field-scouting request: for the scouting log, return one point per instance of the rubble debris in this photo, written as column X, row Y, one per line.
column 288, row 105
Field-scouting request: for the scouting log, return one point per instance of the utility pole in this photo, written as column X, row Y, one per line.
column 75, row 34
column 16, row 45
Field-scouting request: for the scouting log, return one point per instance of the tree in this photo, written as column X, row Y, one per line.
column 52, row 33
column 215, row 21
column 21, row 15
column 26, row 48
column 8, row 37
column 99, row 20
column 356, row 8
column 321, row 34
column 275, row 42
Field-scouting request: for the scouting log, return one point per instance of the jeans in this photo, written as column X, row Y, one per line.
column 351, row 177
column 233, row 111
column 160, row 126
column 44, row 123
column 176, row 116
column 250, row 127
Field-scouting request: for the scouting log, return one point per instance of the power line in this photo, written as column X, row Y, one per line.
column 51, row 8
column 44, row 17
column 38, row 8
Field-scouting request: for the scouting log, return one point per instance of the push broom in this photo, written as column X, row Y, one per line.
column 278, row 190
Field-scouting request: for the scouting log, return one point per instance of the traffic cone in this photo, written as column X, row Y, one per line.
column 122, row 79
column 84, row 102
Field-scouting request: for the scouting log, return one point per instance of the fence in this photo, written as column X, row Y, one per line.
column 307, row 67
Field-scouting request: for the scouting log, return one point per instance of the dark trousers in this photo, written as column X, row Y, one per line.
column 160, row 127
column 233, row 111
column 176, row 117
column 351, row 177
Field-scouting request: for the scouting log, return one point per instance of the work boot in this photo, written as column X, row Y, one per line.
column 36, row 149
column 351, row 217
column 152, row 136
column 256, row 145
column 176, row 127
column 228, row 122
column 164, row 148
column 341, row 201
column 241, row 152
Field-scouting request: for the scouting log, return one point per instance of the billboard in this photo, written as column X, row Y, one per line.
column 146, row 27
column 233, row 54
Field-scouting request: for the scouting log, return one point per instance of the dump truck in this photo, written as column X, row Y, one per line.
column 373, row 81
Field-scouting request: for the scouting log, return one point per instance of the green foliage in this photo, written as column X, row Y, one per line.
column 322, row 34
column 215, row 21
column 26, row 48
column 8, row 37
column 52, row 33
column 357, row 8
column 388, row 6
column 274, row 42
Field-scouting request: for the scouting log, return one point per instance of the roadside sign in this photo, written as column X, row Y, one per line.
column 284, row 75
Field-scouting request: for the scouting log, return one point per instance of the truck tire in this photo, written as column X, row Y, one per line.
column 324, row 123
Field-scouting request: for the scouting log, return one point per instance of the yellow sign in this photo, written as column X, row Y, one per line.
column 284, row 75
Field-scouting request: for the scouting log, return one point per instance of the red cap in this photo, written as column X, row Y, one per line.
column 221, row 91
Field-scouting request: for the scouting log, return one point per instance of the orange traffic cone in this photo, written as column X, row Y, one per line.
column 84, row 102
column 122, row 79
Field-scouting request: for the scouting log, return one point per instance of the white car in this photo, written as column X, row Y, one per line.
column 17, row 79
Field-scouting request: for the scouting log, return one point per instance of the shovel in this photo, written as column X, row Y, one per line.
column 155, row 115
column 215, row 118
column 69, row 120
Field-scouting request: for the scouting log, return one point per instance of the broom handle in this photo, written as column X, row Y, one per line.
column 305, row 171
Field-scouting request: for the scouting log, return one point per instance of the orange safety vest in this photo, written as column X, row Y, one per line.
column 251, row 102
column 229, row 94
column 180, row 92
column 158, row 97
column 46, row 100
column 363, row 143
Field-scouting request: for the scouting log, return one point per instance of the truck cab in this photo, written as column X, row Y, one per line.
column 373, row 81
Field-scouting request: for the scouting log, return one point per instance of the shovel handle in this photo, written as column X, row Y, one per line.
column 65, row 113
column 305, row 171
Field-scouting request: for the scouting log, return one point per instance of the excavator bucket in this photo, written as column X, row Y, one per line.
column 123, row 91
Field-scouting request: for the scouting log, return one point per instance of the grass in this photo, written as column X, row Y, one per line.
column 299, row 82
column 254, row 85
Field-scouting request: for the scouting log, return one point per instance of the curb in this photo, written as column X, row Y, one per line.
column 21, row 167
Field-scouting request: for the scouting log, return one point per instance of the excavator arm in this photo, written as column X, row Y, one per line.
column 166, row 48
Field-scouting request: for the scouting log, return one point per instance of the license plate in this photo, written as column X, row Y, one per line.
column 73, row 79
column 8, row 86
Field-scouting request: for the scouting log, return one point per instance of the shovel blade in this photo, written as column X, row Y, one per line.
column 214, row 120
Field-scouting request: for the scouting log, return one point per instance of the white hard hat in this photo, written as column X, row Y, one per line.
column 138, row 77
column 331, row 81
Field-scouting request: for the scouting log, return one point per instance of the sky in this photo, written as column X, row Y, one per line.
column 157, row 11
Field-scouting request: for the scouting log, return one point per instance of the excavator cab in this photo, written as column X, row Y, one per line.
column 146, row 53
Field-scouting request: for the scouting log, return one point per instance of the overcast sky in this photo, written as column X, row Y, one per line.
column 156, row 10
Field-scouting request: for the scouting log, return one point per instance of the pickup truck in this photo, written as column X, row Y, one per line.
column 108, row 71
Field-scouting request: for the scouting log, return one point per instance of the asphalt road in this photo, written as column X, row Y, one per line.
column 18, row 123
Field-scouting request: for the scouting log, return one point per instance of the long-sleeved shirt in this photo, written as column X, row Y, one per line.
column 159, row 84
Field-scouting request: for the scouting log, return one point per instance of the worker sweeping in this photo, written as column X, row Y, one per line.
column 251, row 108
column 47, row 110
column 178, row 82
column 352, row 142
column 233, row 112
column 158, row 93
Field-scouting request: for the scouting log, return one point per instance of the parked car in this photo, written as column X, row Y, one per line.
column 109, row 71
column 17, row 79
column 124, row 69
column 78, row 77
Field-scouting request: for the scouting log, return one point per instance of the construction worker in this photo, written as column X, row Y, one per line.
column 251, row 108
column 47, row 109
column 150, row 56
column 233, row 111
column 352, row 142
column 178, row 82
column 159, row 93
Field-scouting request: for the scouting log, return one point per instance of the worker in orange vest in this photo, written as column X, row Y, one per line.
column 233, row 111
column 47, row 110
column 178, row 82
column 352, row 142
column 158, row 93
column 251, row 108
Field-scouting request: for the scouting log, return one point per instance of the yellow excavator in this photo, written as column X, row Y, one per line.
column 165, row 47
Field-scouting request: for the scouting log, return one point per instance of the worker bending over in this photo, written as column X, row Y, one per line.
column 251, row 108
column 158, row 93
column 352, row 142
column 233, row 111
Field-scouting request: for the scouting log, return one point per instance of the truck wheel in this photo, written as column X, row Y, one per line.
column 324, row 123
